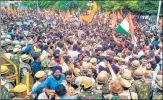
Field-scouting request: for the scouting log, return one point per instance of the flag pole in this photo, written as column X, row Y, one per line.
column 158, row 13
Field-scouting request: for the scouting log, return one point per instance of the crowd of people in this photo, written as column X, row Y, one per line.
column 72, row 59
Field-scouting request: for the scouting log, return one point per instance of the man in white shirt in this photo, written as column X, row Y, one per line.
column 40, row 77
column 74, row 53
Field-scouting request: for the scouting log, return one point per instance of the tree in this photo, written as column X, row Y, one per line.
column 71, row 5
column 139, row 6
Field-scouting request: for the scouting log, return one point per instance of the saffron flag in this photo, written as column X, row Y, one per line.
column 113, row 20
column 119, row 16
column 89, row 17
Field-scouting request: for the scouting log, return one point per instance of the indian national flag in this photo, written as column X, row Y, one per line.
column 127, row 27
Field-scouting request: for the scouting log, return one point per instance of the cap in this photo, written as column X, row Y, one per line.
column 116, row 58
column 4, row 69
column 20, row 88
column 86, row 82
column 10, row 48
column 37, row 50
column 122, row 60
column 116, row 86
column 24, row 57
column 36, row 54
column 125, row 83
column 16, row 50
column 93, row 60
column 138, row 73
column 135, row 63
column 18, row 46
column 39, row 74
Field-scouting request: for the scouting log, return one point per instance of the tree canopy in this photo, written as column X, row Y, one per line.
column 136, row 6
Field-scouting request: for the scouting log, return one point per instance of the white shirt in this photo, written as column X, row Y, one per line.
column 140, row 53
column 35, row 85
column 127, row 58
column 73, row 54
column 43, row 96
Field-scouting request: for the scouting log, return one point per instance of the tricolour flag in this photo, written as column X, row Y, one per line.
column 127, row 27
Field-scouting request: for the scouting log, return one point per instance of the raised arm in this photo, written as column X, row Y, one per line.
column 41, row 86
column 115, row 39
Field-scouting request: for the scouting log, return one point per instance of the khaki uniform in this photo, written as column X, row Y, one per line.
column 89, row 95
column 103, row 88
column 69, row 88
column 126, row 94
column 143, row 91
column 7, row 83
column 136, row 83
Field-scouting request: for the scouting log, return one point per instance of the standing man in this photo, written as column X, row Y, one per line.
column 36, row 64
column 67, row 83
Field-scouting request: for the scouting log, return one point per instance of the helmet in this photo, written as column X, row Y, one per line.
column 86, row 82
column 102, row 77
column 135, row 63
column 4, row 69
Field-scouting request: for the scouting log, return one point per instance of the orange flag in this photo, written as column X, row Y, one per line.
column 131, row 25
column 51, row 12
column 119, row 16
column 45, row 13
column 113, row 20
column 15, row 12
column 8, row 11
column 67, row 16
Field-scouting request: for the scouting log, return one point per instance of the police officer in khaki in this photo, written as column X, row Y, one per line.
column 5, row 78
column 88, row 89
column 24, row 66
column 115, row 88
column 84, row 68
column 127, row 93
column 140, row 85
column 94, row 65
column 102, row 80
column 10, row 47
column 17, row 54
column 20, row 91
column 158, row 90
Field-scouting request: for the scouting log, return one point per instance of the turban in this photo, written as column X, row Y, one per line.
column 55, row 68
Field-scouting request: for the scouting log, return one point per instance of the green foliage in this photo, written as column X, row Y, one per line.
column 71, row 5
column 138, row 6
column 41, row 3
column 13, row 6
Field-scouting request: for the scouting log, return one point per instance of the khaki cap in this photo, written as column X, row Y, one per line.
column 125, row 83
column 20, row 88
column 4, row 69
column 86, row 82
column 40, row 74
column 93, row 60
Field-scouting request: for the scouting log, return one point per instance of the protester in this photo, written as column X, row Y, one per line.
column 70, row 58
